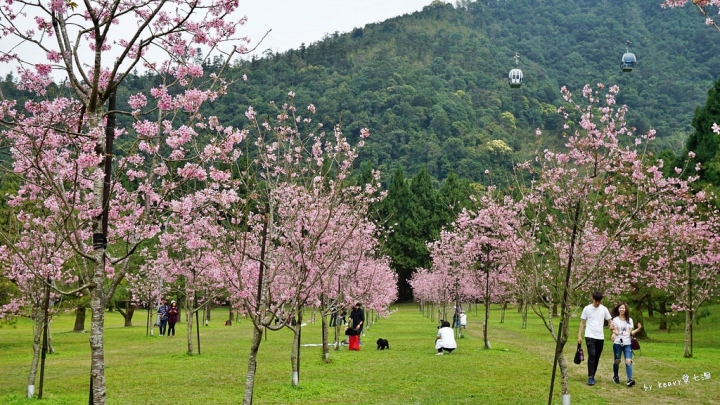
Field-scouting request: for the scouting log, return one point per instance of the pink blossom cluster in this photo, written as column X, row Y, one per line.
column 476, row 256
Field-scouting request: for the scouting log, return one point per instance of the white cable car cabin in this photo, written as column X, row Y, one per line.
column 515, row 78
column 628, row 62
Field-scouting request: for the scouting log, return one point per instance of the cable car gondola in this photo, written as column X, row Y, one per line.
column 515, row 76
column 628, row 60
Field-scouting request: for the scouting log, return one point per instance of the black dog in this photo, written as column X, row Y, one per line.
column 383, row 344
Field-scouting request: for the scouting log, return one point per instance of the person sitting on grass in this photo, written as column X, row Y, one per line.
column 445, row 339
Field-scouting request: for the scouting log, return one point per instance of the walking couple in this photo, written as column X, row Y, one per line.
column 592, row 321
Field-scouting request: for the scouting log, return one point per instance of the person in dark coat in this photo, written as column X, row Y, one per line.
column 333, row 316
column 162, row 316
column 173, row 314
column 357, row 318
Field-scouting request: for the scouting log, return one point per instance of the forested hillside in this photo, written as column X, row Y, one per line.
column 432, row 88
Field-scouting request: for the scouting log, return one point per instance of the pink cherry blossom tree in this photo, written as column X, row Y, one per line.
column 369, row 280
column 429, row 288
column 320, row 232
column 498, row 242
column 294, row 229
column 696, row 287
column 706, row 8
column 190, row 253
column 583, row 208
column 475, row 257
column 64, row 147
column 352, row 273
column 452, row 280
column 678, row 254
column 147, row 285
column 34, row 262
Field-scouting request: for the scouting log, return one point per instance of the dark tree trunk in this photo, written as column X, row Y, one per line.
column 637, row 317
column 80, row 312
column 663, row 317
column 252, row 366
column 128, row 312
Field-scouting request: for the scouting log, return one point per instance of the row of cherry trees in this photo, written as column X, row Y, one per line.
column 264, row 215
column 284, row 232
column 300, row 240
column 599, row 216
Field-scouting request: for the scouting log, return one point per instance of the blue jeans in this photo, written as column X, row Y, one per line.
column 619, row 350
column 163, row 324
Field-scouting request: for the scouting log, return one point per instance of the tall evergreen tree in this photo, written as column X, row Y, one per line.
column 424, row 219
column 394, row 214
column 416, row 212
column 454, row 195
column 425, row 214
column 704, row 142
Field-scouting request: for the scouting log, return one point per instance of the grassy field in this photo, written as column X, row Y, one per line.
column 157, row 370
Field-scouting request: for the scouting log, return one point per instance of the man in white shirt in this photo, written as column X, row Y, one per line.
column 445, row 339
column 592, row 320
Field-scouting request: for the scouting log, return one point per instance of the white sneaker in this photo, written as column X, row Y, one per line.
column 439, row 354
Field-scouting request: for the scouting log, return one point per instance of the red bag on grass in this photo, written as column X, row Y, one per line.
column 354, row 342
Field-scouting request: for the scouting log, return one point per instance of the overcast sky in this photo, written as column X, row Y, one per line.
column 290, row 22
column 294, row 22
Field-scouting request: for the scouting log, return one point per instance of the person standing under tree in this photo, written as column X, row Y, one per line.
column 173, row 314
column 593, row 316
column 162, row 316
column 333, row 316
column 343, row 316
column 357, row 319
column 622, row 336
column 456, row 317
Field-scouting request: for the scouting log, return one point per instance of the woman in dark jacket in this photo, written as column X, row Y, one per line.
column 357, row 318
column 173, row 314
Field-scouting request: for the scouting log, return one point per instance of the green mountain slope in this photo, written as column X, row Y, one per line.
column 431, row 86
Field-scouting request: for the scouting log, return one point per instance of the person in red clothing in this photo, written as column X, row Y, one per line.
column 173, row 314
column 357, row 320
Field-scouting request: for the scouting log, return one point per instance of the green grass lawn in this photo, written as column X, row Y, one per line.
column 157, row 370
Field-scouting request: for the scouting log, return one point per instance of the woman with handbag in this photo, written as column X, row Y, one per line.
column 622, row 326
